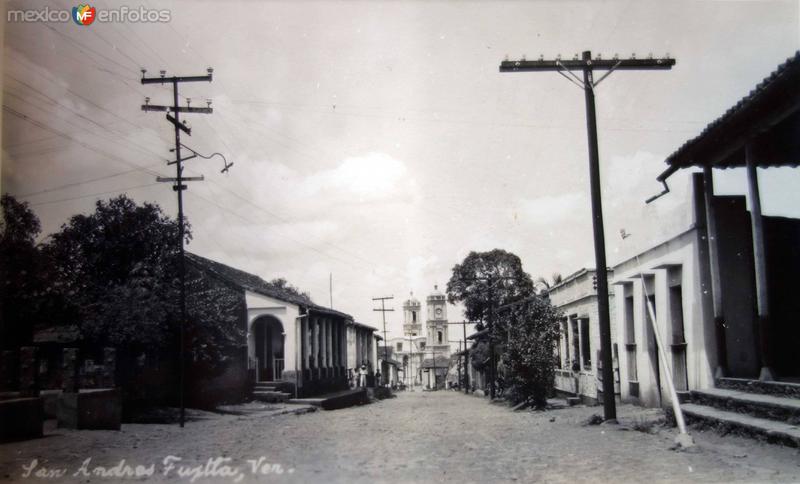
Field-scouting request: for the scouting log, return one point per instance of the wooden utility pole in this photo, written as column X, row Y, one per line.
column 466, row 353
column 588, row 85
column 383, row 312
column 490, row 280
column 179, row 187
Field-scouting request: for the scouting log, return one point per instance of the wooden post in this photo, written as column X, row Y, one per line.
column 716, row 279
column 759, row 259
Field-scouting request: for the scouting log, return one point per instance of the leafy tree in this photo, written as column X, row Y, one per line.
column 283, row 284
column 119, row 265
column 22, row 287
column 529, row 356
column 483, row 278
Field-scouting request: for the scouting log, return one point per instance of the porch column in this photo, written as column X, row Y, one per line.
column 314, row 345
column 328, row 341
column 760, row 261
column 343, row 345
column 303, row 343
column 321, row 346
column 337, row 331
column 323, row 365
column 716, row 279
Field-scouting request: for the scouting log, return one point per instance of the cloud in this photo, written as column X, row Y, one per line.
column 550, row 209
column 372, row 177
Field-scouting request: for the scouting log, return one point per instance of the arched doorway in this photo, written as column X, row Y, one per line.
column 268, row 337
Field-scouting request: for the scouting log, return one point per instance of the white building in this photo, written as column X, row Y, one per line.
column 409, row 349
column 578, row 371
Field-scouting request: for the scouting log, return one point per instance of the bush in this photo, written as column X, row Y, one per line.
column 530, row 357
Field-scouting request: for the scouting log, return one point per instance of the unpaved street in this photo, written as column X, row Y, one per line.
column 416, row 437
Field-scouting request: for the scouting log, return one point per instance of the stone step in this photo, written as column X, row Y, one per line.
column 777, row 388
column 770, row 430
column 271, row 397
column 772, row 407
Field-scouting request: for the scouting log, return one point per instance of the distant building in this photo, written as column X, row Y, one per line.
column 409, row 350
column 437, row 353
column 578, row 371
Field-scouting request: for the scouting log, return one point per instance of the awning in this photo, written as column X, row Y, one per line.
column 768, row 117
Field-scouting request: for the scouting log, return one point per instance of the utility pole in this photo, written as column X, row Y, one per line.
column 490, row 280
column 588, row 85
column 383, row 311
column 178, row 186
column 466, row 353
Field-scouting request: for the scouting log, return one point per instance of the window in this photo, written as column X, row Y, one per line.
column 630, row 341
column 413, row 316
column 422, row 345
column 678, row 346
column 439, row 337
column 630, row 336
column 557, row 352
column 576, row 344
column 400, row 346
column 586, row 350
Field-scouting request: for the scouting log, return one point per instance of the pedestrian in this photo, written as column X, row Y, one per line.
column 378, row 378
column 362, row 375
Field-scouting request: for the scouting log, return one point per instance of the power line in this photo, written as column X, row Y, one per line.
column 41, row 125
column 97, row 194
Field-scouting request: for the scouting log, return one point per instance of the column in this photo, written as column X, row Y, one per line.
column 69, row 370
column 328, row 348
column 716, row 279
column 109, row 367
column 27, row 371
column 313, row 347
column 303, row 344
column 760, row 261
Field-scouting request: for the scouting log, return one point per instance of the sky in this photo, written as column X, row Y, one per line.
column 376, row 142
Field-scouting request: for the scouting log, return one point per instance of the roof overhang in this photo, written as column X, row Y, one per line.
column 768, row 118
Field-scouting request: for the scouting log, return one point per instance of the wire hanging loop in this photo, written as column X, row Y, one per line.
column 226, row 165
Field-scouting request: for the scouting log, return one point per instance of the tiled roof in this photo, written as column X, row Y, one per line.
column 772, row 93
column 253, row 283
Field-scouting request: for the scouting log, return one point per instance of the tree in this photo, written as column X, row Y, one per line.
column 284, row 285
column 545, row 285
column 22, row 287
column 470, row 283
column 119, row 266
column 530, row 353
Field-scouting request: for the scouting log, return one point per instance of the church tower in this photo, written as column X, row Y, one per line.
column 412, row 317
column 437, row 323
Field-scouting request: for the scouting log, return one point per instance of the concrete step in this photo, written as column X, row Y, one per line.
column 777, row 388
column 772, row 407
column 336, row 400
column 770, row 430
column 271, row 397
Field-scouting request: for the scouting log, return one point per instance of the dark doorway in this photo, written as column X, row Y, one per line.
column 269, row 337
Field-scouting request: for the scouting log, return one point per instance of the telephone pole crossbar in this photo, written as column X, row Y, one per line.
column 588, row 65
column 179, row 186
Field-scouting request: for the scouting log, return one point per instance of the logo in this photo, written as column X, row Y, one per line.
column 83, row 14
